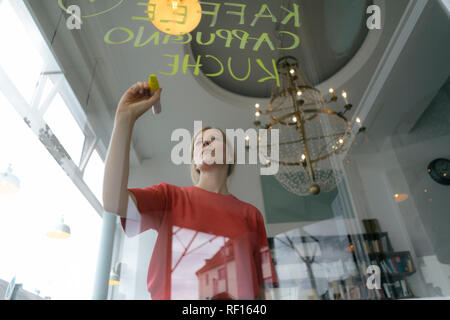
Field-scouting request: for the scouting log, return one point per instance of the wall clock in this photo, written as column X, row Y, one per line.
column 439, row 171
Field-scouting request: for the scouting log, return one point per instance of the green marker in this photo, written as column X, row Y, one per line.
column 154, row 86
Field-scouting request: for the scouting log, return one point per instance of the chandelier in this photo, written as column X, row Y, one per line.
column 312, row 134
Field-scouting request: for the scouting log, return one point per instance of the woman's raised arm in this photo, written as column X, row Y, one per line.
column 134, row 103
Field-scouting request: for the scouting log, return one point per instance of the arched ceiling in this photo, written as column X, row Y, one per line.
column 330, row 33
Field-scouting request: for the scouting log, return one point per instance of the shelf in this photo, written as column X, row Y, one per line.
column 397, row 276
column 389, row 254
column 370, row 236
column 346, row 255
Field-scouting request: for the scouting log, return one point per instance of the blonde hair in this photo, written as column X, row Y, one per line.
column 195, row 173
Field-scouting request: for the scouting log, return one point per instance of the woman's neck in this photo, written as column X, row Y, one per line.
column 214, row 179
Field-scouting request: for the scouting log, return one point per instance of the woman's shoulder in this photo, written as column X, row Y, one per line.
column 251, row 209
column 166, row 186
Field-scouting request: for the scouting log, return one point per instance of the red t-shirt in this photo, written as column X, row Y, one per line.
column 209, row 245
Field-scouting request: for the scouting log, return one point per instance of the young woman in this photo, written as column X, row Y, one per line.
column 210, row 245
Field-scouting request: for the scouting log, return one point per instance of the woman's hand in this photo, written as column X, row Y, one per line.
column 136, row 101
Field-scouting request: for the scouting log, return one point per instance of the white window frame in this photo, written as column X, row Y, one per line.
column 33, row 116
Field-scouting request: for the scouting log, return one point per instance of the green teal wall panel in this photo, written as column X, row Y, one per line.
column 282, row 206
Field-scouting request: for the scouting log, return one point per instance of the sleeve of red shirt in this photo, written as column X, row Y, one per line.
column 263, row 249
column 151, row 204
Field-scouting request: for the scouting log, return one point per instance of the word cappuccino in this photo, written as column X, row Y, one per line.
column 258, row 148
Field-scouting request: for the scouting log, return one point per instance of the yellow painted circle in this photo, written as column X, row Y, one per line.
column 175, row 21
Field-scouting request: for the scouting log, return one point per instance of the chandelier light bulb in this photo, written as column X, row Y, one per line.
column 258, row 114
column 247, row 138
column 358, row 120
column 341, row 141
column 257, row 106
column 294, row 119
column 299, row 93
column 303, row 157
column 344, row 94
column 331, row 90
column 292, row 71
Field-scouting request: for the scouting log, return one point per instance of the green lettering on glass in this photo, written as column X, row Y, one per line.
column 180, row 39
column 186, row 64
column 221, row 67
column 237, row 13
column 207, row 43
column 244, row 37
column 296, row 41
column 184, row 15
column 295, row 13
column 228, row 37
column 108, row 35
column 263, row 38
column 232, row 74
column 148, row 18
column 166, row 38
column 174, row 65
column 272, row 76
column 261, row 14
column 154, row 37
column 211, row 13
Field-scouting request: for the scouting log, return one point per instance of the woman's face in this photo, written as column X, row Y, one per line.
column 209, row 148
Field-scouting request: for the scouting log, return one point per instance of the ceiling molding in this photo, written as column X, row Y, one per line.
column 338, row 80
column 390, row 56
column 360, row 59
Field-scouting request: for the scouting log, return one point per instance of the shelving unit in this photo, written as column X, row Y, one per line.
column 362, row 250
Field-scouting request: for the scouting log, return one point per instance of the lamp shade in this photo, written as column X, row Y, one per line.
column 399, row 198
column 175, row 17
column 59, row 231
column 9, row 183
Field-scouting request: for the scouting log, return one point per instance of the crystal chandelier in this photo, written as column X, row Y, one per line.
column 312, row 134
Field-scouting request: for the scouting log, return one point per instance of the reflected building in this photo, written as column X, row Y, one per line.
column 217, row 278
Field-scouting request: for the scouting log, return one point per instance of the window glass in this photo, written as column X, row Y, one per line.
column 25, row 71
column 59, row 269
column 64, row 126
column 93, row 174
column 340, row 114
